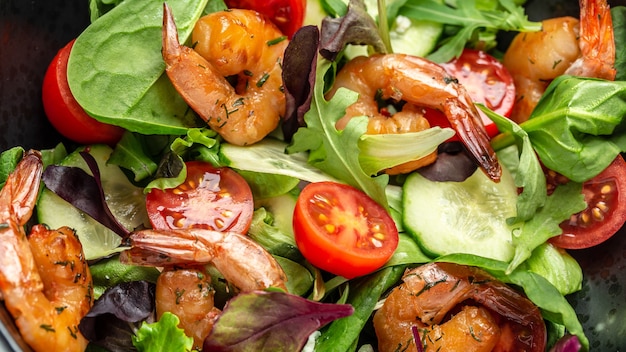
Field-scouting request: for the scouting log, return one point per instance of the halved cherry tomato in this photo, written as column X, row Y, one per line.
column 487, row 82
column 287, row 15
column 210, row 198
column 341, row 230
column 605, row 214
column 64, row 112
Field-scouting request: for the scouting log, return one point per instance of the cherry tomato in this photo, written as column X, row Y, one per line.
column 287, row 15
column 210, row 198
column 64, row 112
column 487, row 81
column 605, row 214
column 343, row 231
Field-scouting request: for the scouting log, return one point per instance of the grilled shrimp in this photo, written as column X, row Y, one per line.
column 418, row 83
column 44, row 279
column 486, row 315
column 241, row 261
column 184, row 288
column 565, row 45
column 234, row 43
column 187, row 293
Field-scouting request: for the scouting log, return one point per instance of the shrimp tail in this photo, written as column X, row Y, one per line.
column 17, row 201
column 189, row 71
column 21, row 189
column 597, row 42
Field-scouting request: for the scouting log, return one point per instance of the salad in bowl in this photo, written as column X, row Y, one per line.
column 320, row 175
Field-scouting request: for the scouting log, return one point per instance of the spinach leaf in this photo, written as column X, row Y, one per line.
column 8, row 161
column 578, row 126
column 115, row 70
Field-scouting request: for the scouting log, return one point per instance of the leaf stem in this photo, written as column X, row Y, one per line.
column 383, row 25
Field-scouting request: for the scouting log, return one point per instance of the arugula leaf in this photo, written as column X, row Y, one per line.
column 560, row 205
column 469, row 19
column 162, row 335
column 531, row 179
column 336, row 152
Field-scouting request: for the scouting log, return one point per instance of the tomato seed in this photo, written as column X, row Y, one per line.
column 377, row 243
column 597, row 214
column 585, row 219
column 602, row 206
column 219, row 223
column 330, row 228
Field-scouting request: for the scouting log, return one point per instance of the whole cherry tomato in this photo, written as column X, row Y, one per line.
column 64, row 112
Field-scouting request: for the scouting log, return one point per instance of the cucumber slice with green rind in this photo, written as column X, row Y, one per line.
column 461, row 217
column 126, row 202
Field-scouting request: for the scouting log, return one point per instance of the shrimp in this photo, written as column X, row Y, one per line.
column 419, row 83
column 565, row 45
column 44, row 279
column 241, row 261
column 187, row 293
column 234, row 43
column 184, row 288
column 485, row 314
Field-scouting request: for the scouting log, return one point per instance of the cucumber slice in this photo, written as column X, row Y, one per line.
column 461, row 217
column 126, row 201
column 407, row 36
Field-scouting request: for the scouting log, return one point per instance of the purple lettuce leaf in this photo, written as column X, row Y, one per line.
column 110, row 323
column 299, row 66
column 83, row 191
column 567, row 343
column 282, row 322
column 356, row 27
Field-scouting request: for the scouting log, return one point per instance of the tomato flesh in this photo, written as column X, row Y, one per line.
column 287, row 15
column 341, row 230
column 211, row 198
column 64, row 112
column 605, row 214
column 487, row 81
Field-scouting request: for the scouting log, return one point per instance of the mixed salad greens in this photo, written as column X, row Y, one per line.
column 115, row 75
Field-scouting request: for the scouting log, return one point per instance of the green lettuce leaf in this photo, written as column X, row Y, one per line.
column 162, row 335
column 336, row 153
